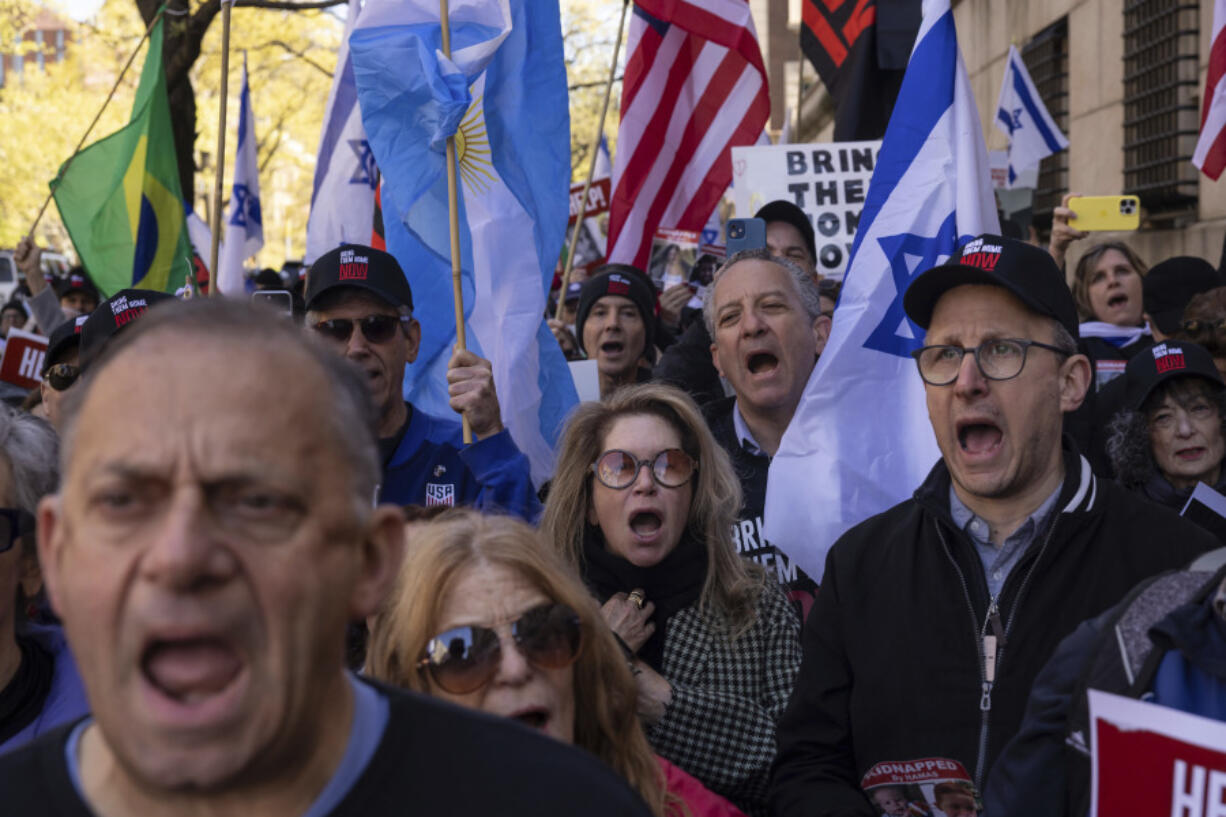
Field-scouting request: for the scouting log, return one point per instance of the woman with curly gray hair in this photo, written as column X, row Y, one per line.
column 1170, row 434
column 39, row 685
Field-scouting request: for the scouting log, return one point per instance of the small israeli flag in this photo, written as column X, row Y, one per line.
column 244, row 228
column 1020, row 115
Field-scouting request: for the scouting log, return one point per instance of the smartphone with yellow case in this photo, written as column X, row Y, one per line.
column 1096, row 213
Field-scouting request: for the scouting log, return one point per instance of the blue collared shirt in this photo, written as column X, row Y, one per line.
column 743, row 435
column 998, row 562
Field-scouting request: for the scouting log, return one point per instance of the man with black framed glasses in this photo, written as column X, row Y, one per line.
column 359, row 302
column 934, row 617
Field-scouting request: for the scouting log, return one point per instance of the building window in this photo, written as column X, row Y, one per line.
column 1046, row 58
column 1161, row 115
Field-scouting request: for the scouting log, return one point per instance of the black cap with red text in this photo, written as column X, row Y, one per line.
column 362, row 267
column 1024, row 270
column 64, row 337
column 627, row 282
column 76, row 281
column 1150, row 368
column 112, row 315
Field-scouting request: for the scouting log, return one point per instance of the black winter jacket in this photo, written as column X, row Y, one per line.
column 893, row 665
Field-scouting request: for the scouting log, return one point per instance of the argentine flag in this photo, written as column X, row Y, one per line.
column 343, row 197
column 244, row 222
column 1021, row 115
column 860, row 441
column 503, row 96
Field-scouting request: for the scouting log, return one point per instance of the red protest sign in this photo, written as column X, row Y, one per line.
column 593, row 235
column 22, row 364
column 1153, row 761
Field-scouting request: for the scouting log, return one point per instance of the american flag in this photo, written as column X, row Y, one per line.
column 694, row 87
column 1210, row 155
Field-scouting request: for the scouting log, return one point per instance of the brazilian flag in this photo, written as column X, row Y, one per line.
column 120, row 197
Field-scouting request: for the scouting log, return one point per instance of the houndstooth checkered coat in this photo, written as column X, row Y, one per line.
column 727, row 696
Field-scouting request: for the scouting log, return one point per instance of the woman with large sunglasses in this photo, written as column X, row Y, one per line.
column 39, row 685
column 487, row 617
column 643, row 502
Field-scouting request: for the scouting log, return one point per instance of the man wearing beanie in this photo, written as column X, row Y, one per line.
column 1008, row 544
column 616, row 324
column 359, row 302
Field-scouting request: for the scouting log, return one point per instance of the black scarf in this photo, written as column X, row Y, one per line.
column 671, row 585
column 1160, row 490
column 22, row 698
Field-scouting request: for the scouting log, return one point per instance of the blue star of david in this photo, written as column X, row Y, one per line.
column 931, row 251
column 246, row 209
column 367, row 172
column 1017, row 118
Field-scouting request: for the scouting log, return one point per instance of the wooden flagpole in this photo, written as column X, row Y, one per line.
column 90, row 129
column 453, row 222
column 591, row 168
column 226, row 5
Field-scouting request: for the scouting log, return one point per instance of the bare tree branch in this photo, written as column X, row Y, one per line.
column 299, row 54
column 289, row 5
column 597, row 84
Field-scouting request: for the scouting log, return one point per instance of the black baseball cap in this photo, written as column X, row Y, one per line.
column 1022, row 269
column 76, row 281
column 1171, row 284
column 783, row 210
column 356, row 265
column 114, row 314
column 64, row 337
column 1150, row 368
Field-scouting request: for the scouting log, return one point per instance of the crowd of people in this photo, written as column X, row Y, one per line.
column 248, row 577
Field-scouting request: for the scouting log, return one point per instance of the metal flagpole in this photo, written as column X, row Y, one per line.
column 453, row 222
column 591, row 169
column 221, row 144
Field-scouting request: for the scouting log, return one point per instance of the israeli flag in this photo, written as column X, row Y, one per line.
column 343, row 197
column 503, row 96
column 1021, row 115
column 244, row 223
column 860, row 440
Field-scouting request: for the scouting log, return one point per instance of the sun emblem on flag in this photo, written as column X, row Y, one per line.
column 472, row 147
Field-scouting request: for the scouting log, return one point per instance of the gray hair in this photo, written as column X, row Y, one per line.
column 806, row 287
column 351, row 419
column 1062, row 339
column 30, row 447
column 1128, row 444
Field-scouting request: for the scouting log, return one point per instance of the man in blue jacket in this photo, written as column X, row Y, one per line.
column 359, row 301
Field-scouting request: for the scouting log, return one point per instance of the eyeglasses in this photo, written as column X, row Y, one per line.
column 618, row 469
column 464, row 659
column 999, row 359
column 1195, row 327
column 62, row 375
column 14, row 523
column 375, row 328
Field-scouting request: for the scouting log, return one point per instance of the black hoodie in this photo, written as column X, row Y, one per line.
column 893, row 664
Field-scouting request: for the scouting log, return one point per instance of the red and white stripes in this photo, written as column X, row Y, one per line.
column 1210, row 155
column 694, row 87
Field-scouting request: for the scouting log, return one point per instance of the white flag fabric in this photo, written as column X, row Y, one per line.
column 244, row 221
column 1021, row 115
column 1210, row 154
column 343, row 197
column 860, row 441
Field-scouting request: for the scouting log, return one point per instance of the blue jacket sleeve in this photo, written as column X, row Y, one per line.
column 1030, row 775
column 504, row 474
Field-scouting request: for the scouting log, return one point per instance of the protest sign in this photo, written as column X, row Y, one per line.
column 22, row 364
column 925, row 787
column 590, row 249
column 828, row 181
column 1154, row 761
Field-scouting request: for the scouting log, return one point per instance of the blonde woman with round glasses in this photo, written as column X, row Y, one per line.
column 642, row 503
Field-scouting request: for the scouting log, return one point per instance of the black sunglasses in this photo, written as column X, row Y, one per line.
column 14, row 523
column 61, row 376
column 375, row 328
column 618, row 469
column 464, row 659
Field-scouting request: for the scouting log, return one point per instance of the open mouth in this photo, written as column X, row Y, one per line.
column 761, row 363
column 979, row 438
column 646, row 523
column 190, row 670
column 532, row 718
column 1117, row 300
column 612, row 347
